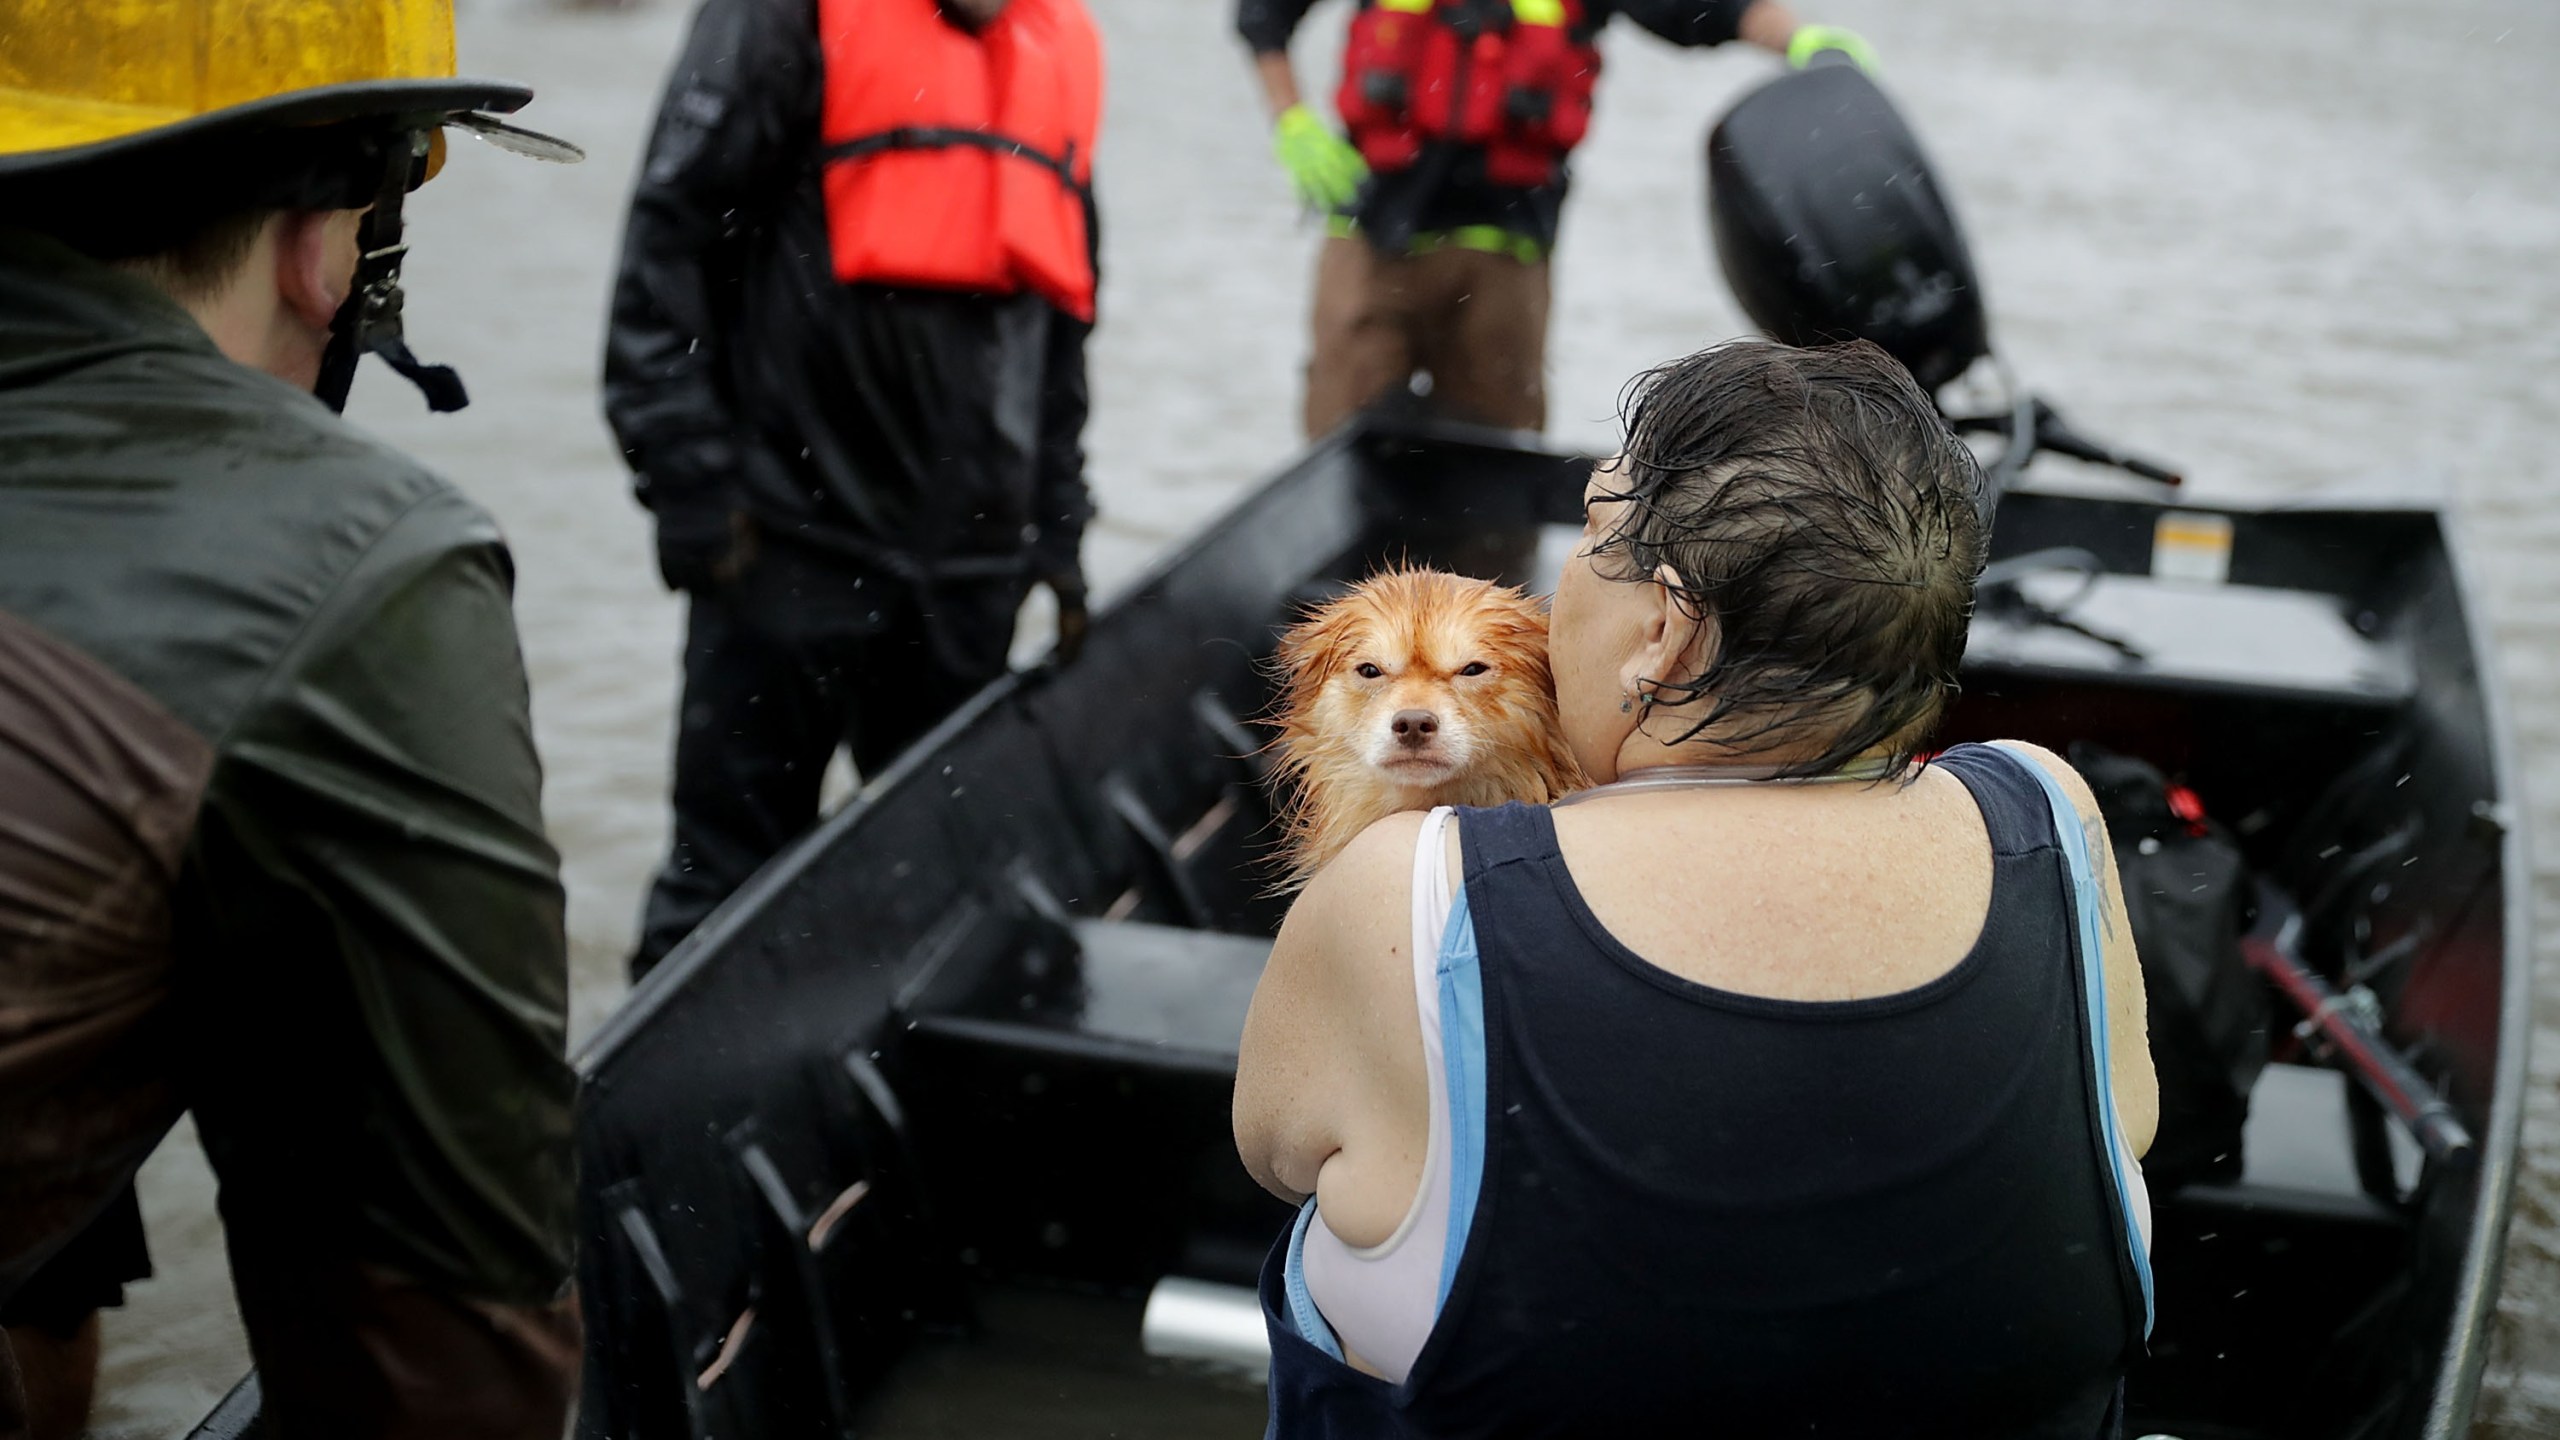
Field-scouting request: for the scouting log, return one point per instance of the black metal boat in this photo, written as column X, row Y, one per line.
column 905, row 1138
column 900, row 1141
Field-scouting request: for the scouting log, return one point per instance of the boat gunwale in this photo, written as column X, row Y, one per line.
column 2465, row 1357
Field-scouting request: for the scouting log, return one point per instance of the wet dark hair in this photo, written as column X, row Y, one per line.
column 1814, row 503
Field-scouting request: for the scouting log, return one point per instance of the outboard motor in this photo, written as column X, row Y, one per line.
column 1830, row 225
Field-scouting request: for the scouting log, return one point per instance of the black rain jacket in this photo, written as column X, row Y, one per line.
column 926, row 434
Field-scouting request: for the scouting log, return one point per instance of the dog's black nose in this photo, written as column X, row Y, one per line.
column 1415, row 727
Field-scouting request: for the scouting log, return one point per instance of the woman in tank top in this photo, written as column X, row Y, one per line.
column 1782, row 1084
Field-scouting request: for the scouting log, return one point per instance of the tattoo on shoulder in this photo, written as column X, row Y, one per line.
column 2102, row 861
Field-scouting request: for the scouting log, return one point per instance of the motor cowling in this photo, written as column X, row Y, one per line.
column 1831, row 226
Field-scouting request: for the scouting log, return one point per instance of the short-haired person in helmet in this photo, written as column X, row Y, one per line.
column 847, row 367
column 272, row 847
column 1444, row 183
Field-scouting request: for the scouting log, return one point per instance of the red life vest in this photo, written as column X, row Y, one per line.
column 1511, row 76
column 959, row 160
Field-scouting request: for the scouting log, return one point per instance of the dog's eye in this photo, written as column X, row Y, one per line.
column 1475, row 667
column 1367, row 671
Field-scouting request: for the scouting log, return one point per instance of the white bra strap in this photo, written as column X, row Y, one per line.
column 1432, row 900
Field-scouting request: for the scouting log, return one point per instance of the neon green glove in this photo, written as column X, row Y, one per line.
column 1812, row 40
column 1327, row 169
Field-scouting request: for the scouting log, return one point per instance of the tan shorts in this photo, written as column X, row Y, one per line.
column 1475, row 322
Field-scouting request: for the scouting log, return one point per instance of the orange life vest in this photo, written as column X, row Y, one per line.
column 959, row 160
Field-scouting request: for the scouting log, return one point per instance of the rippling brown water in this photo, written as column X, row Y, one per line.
column 2290, row 244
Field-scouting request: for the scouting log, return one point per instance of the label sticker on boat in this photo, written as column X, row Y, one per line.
column 2191, row 547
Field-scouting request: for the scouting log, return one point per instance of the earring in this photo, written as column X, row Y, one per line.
column 1626, row 704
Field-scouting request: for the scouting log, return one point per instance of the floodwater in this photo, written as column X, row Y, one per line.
column 2287, row 245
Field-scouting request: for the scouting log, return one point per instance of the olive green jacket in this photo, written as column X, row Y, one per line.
column 370, row 978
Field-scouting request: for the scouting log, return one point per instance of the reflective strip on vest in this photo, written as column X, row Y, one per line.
column 1486, row 239
column 958, row 160
column 1527, row 12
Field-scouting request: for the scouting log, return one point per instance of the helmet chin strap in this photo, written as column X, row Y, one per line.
column 369, row 321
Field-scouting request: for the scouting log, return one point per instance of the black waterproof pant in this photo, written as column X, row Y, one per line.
column 803, row 653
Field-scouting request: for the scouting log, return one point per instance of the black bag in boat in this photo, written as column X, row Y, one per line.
column 2187, row 892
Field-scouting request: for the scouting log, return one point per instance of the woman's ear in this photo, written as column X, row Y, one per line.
column 1672, row 639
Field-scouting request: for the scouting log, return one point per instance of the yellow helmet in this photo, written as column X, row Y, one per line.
column 87, row 80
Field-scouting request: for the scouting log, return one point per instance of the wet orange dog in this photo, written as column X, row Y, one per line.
column 1418, row 688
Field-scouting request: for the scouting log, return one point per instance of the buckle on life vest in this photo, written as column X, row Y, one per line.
column 934, row 137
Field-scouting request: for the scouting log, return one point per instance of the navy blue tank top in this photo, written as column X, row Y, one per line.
column 1709, row 1213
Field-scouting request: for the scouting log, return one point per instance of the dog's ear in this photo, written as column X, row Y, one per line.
column 1532, row 611
column 1311, row 650
column 1521, row 632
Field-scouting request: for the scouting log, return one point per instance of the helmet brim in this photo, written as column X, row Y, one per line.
column 429, row 100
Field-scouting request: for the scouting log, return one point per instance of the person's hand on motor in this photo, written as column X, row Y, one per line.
column 1326, row 168
column 1811, row 40
column 1064, row 575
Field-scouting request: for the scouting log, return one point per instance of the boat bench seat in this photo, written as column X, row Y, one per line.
column 1076, row 1123
column 2239, row 639
column 1155, row 997
column 2297, row 1154
column 2288, row 1270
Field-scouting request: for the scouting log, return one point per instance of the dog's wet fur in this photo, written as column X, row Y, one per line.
column 1414, row 689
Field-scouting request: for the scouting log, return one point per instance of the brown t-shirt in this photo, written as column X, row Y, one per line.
column 101, row 785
